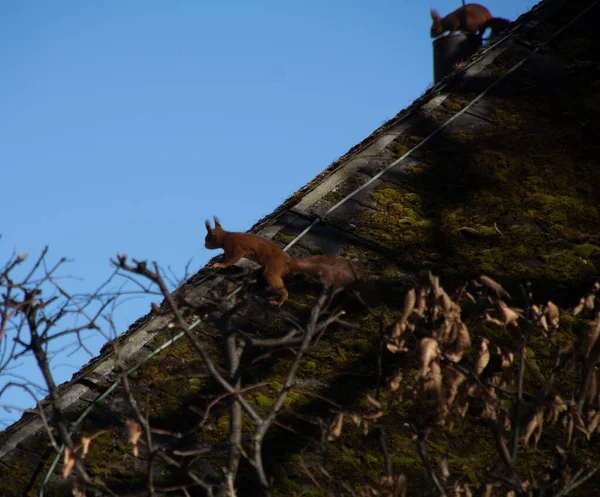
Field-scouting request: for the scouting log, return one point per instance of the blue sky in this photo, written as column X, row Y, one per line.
column 125, row 124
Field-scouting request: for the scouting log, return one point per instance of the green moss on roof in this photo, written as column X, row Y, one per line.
column 537, row 182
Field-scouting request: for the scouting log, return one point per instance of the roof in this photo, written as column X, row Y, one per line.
column 493, row 170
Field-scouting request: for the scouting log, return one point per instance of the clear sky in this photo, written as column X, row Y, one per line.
column 123, row 125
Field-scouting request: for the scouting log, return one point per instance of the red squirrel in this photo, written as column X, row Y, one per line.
column 333, row 271
column 470, row 19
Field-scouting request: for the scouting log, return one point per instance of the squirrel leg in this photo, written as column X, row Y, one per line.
column 229, row 260
column 283, row 297
column 276, row 282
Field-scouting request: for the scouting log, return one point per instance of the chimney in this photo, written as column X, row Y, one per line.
column 448, row 50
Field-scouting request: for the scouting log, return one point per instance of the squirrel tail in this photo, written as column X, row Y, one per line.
column 332, row 270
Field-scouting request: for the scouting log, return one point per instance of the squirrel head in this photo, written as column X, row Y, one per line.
column 214, row 236
column 436, row 28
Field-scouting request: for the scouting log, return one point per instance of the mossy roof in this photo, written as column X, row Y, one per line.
column 510, row 188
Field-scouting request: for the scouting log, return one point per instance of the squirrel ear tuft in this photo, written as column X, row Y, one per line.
column 434, row 14
column 207, row 224
column 217, row 222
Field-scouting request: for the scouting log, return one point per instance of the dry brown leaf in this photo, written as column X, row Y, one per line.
column 558, row 406
column 434, row 312
column 445, row 333
column 474, row 390
column 134, row 432
column 421, row 302
column 506, row 420
column 68, row 462
column 537, row 434
column 509, row 316
column 386, row 481
column 447, row 303
column 578, row 418
column 496, row 380
column 495, row 286
column 458, row 489
column 397, row 330
column 579, row 307
column 442, row 417
column 590, row 302
column 433, row 381
column 85, row 446
column 369, row 491
column 565, row 347
column 365, row 426
column 409, row 304
column 435, row 284
column 553, row 314
column 396, row 347
column 461, row 405
column 537, row 315
column 374, row 416
column 582, row 429
column 356, row 419
column 444, row 470
column 491, row 319
column 590, row 336
column 489, row 487
column 593, row 424
column 429, row 350
column 373, row 401
column 453, row 380
column 529, row 428
column 393, row 348
column 483, row 356
column 454, row 328
column 401, row 486
column 508, row 357
column 569, row 432
column 336, row 431
column 462, row 343
column 543, row 322
column 395, row 382
column 78, row 492
column 489, row 409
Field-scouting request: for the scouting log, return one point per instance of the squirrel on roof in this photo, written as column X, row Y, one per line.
column 332, row 271
column 471, row 19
